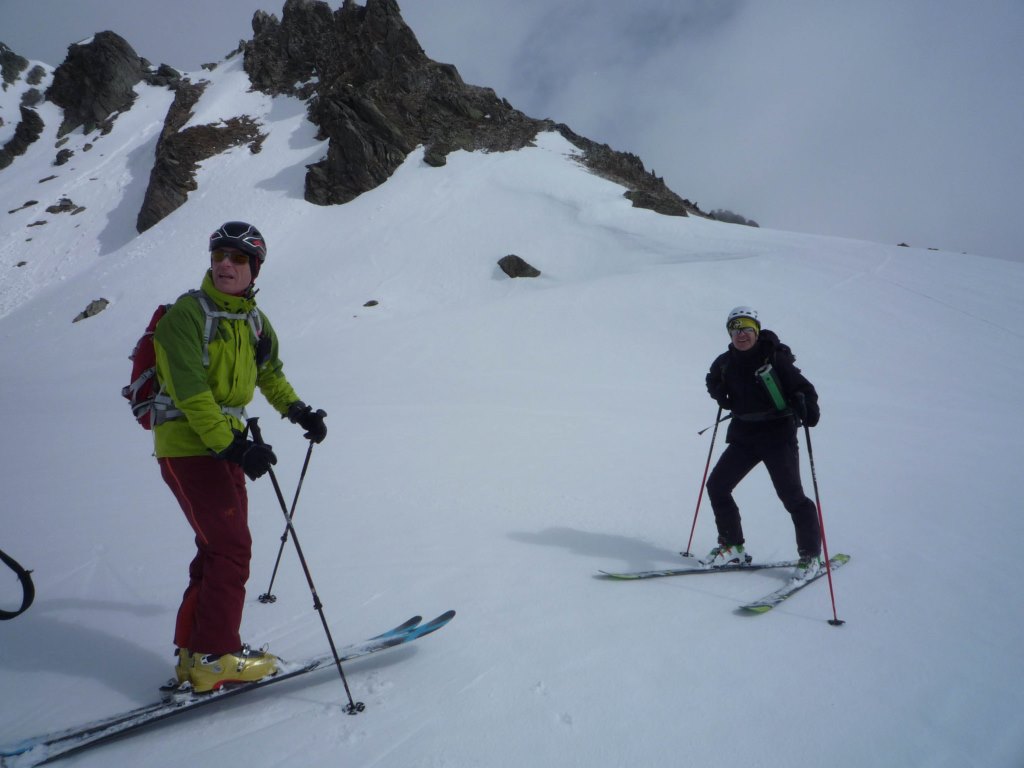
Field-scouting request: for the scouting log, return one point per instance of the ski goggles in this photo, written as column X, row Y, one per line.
column 236, row 257
column 742, row 329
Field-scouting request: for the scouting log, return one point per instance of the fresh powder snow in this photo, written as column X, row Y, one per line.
column 493, row 444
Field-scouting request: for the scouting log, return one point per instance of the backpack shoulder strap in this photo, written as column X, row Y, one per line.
column 213, row 314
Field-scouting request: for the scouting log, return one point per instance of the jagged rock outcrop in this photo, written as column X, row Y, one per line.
column 35, row 75
column 28, row 130
column 375, row 95
column 30, row 126
column 370, row 89
column 95, row 81
column 163, row 76
column 643, row 188
column 11, row 65
column 179, row 152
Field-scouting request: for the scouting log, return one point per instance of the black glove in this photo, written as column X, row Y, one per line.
column 255, row 459
column 813, row 414
column 310, row 420
column 808, row 413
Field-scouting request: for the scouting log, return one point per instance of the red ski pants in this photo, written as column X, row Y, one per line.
column 211, row 493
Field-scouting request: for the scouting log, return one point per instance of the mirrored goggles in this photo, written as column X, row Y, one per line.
column 236, row 257
column 742, row 329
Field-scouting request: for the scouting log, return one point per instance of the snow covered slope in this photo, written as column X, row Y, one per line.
column 495, row 442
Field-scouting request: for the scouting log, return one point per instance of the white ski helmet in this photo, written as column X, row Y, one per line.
column 736, row 316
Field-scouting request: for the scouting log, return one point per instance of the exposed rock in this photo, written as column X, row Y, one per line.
column 516, row 266
column 35, row 75
column 179, row 152
column 94, row 308
column 11, row 65
column 27, row 204
column 721, row 214
column 283, row 54
column 375, row 95
column 63, row 156
column 31, row 97
column 95, row 81
column 371, row 91
column 28, row 130
column 644, row 189
column 164, row 76
column 65, row 205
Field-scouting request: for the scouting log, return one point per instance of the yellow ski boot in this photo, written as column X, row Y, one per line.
column 209, row 671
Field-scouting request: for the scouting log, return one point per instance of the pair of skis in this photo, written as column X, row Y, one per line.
column 50, row 746
column 764, row 604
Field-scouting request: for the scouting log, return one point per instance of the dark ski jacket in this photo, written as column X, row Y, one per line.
column 733, row 383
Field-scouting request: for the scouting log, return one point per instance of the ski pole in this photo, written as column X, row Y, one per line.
column 835, row 621
column 354, row 707
column 718, row 420
column 268, row 596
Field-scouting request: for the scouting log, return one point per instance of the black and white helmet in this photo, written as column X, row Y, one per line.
column 244, row 237
column 738, row 313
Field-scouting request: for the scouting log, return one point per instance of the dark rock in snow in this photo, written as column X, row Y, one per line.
column 516, row 266
column 370, row 90
column 95, row 81
column 94, row 308
column 375, row 95
column 28, row 130
column 11, row 65
column 179, row 152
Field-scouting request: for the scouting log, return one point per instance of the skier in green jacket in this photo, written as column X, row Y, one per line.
column 213, row 348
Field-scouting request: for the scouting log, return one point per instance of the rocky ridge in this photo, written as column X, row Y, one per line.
column 370, row 89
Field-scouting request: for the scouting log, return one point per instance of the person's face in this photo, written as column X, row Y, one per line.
column 231, row 271
column 743, row 338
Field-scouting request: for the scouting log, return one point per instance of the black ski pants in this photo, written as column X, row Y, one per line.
column 782, row 460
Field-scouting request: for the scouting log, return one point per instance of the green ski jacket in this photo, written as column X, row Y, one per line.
column 199, row 391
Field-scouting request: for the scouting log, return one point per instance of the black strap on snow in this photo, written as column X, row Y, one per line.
column 27, row 587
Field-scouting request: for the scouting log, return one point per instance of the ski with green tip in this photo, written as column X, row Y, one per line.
column 47, row 747
column 793, row 586
column 657, row 574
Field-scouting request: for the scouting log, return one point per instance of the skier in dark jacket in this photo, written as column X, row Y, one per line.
column 762, row 429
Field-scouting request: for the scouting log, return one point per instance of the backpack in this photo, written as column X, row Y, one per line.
column 149, row 405
column 142, row 390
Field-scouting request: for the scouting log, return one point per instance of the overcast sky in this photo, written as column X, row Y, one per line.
column 888, row 120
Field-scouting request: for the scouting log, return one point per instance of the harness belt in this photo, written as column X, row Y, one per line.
column 165, row 410
column 763, row 415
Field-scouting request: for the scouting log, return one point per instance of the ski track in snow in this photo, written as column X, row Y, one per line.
column 494, row 443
